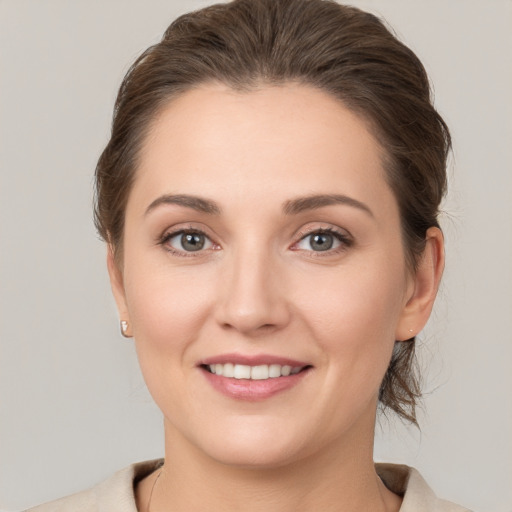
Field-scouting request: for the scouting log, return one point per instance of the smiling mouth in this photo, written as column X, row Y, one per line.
column 258, row 372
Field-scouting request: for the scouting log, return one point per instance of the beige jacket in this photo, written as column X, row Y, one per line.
column 116, row 493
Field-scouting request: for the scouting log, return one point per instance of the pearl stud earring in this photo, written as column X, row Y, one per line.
column 124, row 329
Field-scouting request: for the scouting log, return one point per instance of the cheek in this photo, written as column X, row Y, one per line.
column 353, row 312
column 167, row 308
column 366, row 298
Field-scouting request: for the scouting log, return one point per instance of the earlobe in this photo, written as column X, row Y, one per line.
column 426, row 283
column 117, row 284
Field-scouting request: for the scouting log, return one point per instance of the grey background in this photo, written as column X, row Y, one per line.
column 73, row 406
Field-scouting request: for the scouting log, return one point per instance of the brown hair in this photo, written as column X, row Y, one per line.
column 339, row 49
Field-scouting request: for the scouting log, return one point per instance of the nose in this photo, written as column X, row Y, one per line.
column 253, row 299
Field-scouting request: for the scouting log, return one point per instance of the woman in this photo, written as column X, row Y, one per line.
column 269, row 200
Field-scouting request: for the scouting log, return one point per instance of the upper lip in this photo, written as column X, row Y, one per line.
column 253, row 360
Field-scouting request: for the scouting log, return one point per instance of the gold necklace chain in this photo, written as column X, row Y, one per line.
column 152, row 489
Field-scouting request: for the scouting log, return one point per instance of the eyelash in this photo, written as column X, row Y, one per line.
column 186, row 254
column 342, row 237
column 345, row 241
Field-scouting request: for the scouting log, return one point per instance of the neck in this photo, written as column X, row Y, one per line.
column 340, row 477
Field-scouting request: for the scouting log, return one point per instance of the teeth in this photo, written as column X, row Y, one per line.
column 242, row 372
column 274, row 370
column 228, row 370
column 260, row 372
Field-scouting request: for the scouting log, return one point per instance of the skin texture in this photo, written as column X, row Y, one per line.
column 258, row 287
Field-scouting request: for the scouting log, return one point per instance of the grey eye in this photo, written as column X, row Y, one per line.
column 321, row 241
column 190, row 241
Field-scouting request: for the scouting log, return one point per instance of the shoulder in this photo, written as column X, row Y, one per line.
column 417, row 495
column 115, row 494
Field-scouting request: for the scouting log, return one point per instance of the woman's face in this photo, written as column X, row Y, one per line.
column 262, row 241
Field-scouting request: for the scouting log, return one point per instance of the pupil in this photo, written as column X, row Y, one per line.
column 192, row 241
column 321, row 242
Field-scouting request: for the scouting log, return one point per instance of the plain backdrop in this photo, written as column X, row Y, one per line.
column 73, row 405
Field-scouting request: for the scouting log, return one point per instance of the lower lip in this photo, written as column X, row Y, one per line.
column 253, row 390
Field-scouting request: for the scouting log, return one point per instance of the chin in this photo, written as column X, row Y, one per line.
column 252, row 457
column 259, row 447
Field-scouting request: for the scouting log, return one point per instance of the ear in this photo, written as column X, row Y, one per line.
column 117, row 284
column 425, row 283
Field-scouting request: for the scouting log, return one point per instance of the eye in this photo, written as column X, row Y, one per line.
column 322, row 240
column 187, row 241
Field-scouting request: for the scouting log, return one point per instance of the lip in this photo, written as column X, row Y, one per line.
column 249, row 389
column 252, row 360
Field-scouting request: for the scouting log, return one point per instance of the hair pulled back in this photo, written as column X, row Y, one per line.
column 339, row 49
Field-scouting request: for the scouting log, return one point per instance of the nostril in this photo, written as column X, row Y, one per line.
column 249, row 325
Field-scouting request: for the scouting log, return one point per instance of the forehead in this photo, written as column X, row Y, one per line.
column 278, row 142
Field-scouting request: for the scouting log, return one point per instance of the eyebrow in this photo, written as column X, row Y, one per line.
column 291, row 207
column 313, row 202
column 194, row 202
